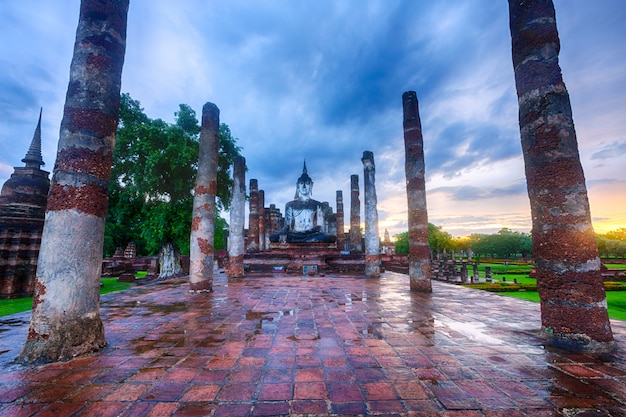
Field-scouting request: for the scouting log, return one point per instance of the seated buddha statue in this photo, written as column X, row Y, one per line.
column 304, row 217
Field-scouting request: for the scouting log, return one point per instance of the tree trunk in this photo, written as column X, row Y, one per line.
column 573, row 301
column 169, row 261
column 66, row 305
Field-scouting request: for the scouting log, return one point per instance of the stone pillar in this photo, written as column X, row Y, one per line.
column 372, row 239
column 201, row 248
column 236, row 244
column 355, row 216
column 569, row 283
column 341, row 238
column 275, row 220
column 420, row 269
column 253, row 217
column 65, row 321
column 261, row 211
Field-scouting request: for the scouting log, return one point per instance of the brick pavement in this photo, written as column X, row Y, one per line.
column 345, row 346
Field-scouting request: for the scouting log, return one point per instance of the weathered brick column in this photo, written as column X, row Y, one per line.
column 573, row 301
column 236, row 244
column 372, row 239
column 253, row 217
column 420, row 269
column 261, row 211
column 355, row 216
column 341, row 238
column 65, row 321
column 201, row 248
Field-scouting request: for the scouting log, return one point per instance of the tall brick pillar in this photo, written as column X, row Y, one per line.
column 236, row 244
column 65, row 321
column 341, row 238
column 202, row 224
column 573, row 301
column 261, row 211
column 420, row 269
column 372, row 240
column 253, row 217
column 356, row 245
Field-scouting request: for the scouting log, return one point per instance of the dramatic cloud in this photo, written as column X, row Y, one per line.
column 323, row 81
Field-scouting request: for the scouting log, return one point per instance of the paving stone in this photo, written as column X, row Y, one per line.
column 296, row 346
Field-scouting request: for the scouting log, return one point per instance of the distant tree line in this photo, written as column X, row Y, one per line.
column 506, row 244
column 612, row 244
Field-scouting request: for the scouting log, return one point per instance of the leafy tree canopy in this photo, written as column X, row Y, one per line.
column 153, row 177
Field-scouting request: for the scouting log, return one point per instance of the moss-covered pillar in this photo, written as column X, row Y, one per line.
column 201, row 249
column 253, row 217
column 420, row 269
column 236, row 244
column 65, row 321
column 573, row 301
column 356, row 245
column 372, row 240
column 261, row 211
column 341, row 237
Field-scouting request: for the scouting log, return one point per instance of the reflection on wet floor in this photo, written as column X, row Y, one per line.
column 331, row 345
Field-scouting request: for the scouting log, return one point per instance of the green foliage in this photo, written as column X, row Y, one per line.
column 439, row 240
column 616, row 301
column 502, row 287
column 506, row 244
column 153, row 177
column 401, row 242
column 617, row 234
column 611, row 244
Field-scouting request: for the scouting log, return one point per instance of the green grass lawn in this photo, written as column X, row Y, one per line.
column 616, row 301
column 510, row 272
column 17, row 305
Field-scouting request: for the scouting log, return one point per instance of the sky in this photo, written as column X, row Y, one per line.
column 322, row 81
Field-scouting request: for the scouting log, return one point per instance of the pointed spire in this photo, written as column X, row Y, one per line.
column 33, row 157
column 304, row 168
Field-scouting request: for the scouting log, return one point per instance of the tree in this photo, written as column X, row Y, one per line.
column 617, row 234
column 438, row 239
column 401, row 242
column 154, row 167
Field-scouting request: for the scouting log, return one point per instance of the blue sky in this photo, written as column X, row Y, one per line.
column 322, row 81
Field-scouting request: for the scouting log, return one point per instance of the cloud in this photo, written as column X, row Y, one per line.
column 469, row 193
column 610, row 150
column 323, row 80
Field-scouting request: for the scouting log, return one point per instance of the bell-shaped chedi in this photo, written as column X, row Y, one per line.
column 29, row 184
column 22, row 211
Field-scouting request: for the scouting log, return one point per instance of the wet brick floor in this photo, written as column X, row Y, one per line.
column 270, row 346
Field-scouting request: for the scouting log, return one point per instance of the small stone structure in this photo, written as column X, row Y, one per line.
column 22, row 211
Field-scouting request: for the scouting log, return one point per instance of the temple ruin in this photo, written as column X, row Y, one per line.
column 309, row 237
column 22, row 211
column 66, row 324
